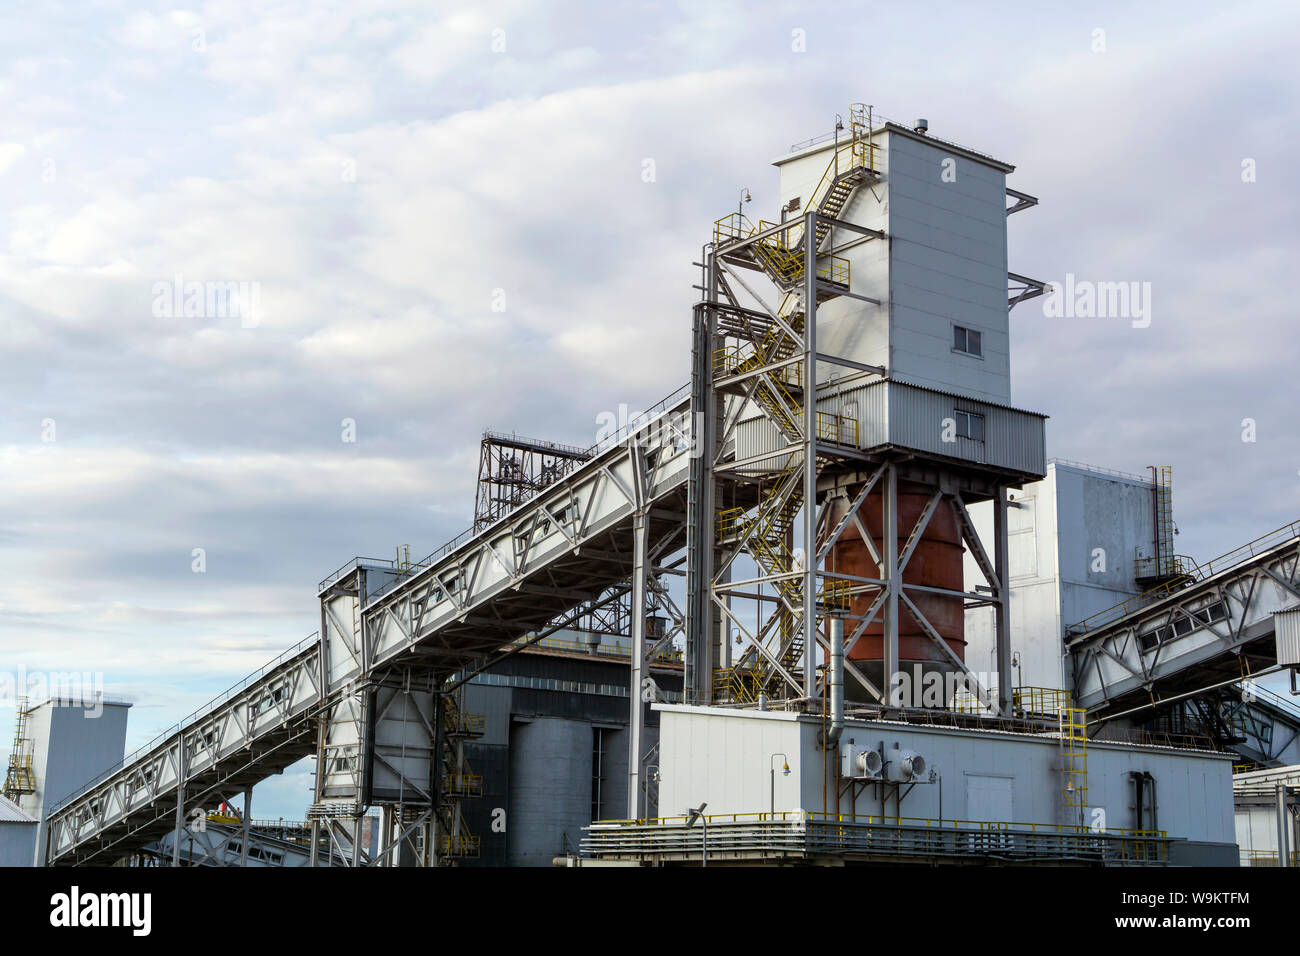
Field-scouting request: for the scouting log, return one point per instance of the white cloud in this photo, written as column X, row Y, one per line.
column 10, row 153
column 381, row 172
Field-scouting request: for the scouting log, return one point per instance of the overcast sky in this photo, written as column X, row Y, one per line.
column 445, row 215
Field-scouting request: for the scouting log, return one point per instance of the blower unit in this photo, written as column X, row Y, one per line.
column 858, row 763
column 906, row 766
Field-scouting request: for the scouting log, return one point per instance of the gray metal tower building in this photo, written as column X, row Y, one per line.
column 852, row 377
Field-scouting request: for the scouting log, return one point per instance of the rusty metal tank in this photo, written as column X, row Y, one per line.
column 937, row 562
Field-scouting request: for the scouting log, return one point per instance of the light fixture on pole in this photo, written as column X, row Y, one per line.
column 785, row 772
column 697, row 813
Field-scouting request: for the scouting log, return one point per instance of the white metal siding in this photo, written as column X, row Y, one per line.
column 893, row 413
column 948, row 266
column 724, row 758
column 1286, row 628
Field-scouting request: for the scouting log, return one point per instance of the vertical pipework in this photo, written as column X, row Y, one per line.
column 1283, row 826
column 836, row 681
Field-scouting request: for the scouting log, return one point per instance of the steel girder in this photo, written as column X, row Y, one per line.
column 259, row 730
column 559, row 550
column 1212, row 631
column 568, row 548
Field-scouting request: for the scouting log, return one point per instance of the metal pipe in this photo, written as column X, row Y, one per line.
column 771, row 765
column 836, row 681
column 1283, row 825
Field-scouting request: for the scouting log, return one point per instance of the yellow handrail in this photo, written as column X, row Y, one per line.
column 811, row 816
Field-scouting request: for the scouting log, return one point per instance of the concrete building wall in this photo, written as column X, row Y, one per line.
column 722, row 757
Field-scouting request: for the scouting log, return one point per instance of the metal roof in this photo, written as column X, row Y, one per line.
column 10, row 812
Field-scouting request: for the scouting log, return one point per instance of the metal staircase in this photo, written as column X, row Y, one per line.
column 19, row 778
column 766, row 533
column 767, row 368
column 458, row 782
column 780, row 255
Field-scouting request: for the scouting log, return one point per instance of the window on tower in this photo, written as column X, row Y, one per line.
column 970, row 425
column 967, row 340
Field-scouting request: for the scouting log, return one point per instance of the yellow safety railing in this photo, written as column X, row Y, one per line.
column 839, row 429
column 813, row 816
column 736, row 359
column 1047, row 701
column 462, row 783
column 836, row 593
column 732, row 227
column 1266, row 857
column 459, row 722
column 781, row 253
column 460, row 845
column 835, row 271
column 741, row 684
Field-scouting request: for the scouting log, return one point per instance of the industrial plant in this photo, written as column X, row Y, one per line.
column 829, row 603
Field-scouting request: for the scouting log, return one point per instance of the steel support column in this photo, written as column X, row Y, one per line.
column 810, row 457
column 181, row 773
column 698, row 662
column 1002, row 610
column 636, row 718
column 435, row 784
column 889, row 504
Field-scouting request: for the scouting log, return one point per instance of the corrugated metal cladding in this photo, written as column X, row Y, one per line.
column 908, row 416
column 1286, row 631
column 10, row 812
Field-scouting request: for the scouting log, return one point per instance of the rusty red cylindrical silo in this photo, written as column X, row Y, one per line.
column 937, row 562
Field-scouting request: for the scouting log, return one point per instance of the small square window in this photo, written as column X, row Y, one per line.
column 967, row 340
column 970, row 425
